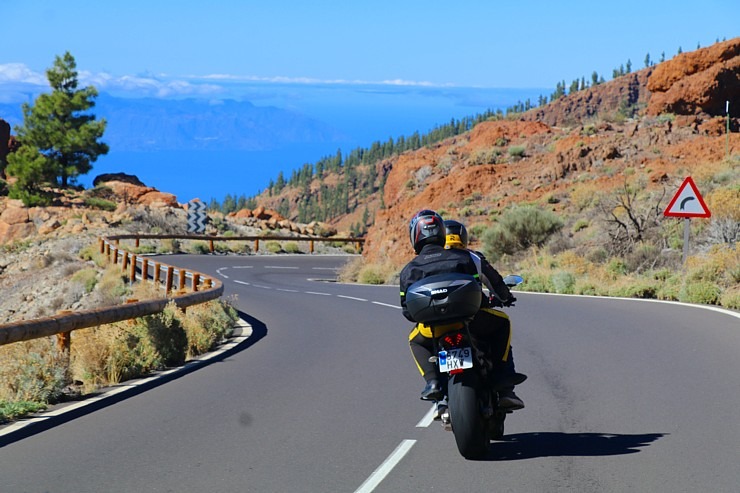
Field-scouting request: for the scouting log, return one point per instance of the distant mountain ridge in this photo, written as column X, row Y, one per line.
column 149, row 124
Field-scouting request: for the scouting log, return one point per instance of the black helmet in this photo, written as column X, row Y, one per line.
column 457, row 235
column 426, row 227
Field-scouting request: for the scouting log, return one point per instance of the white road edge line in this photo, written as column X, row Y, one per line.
column 428, row 418
column 350, row 297
column 386, row 467
column 242, row 282
column 645, row 300
column 386, row 304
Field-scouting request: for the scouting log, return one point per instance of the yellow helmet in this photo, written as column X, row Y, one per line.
column 457, row 235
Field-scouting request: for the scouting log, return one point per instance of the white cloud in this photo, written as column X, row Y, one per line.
column 309, row 80
column 19, row 73
column 17, row 78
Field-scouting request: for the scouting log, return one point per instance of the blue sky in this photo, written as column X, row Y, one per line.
column 372, row 70
column 184, row 47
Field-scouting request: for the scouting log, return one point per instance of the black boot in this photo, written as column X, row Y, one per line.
column 509, row 401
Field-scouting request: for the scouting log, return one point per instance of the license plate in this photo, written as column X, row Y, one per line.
column 455, row 359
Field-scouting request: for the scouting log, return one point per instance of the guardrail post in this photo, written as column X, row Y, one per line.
column 144, row 269
column 210, row 245
column 157, row 271
column 115, row 256
column 124, row 262
column 137, row 242
column 196, row 280
column 132, row 271
column 256, row 245
column 107, row 250
column 101, row 242
column 64, row 341
column 311, row 247
column 181, row 280
column 169, row 280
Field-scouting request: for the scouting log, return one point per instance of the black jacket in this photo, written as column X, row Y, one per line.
column 495, row 281
column 434, row 259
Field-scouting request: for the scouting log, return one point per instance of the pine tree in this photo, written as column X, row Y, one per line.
column 594, row 79
column 58, row 128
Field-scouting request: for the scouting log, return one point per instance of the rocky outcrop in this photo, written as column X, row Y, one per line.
column 601, row 100
column 701, row 81
column 130, row 190
column 119, row 177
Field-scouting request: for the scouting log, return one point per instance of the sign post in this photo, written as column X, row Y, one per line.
column 197, row 217
column 687, row 203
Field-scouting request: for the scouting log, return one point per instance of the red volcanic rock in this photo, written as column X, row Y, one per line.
column 702, row 81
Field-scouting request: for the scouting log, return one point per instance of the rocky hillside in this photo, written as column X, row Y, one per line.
column 659, row 122
column 40, row 247
column 650, row 129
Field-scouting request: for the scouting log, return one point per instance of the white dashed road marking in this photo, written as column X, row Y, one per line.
column 386, row 467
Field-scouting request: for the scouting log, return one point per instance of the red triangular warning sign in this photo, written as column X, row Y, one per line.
column 687, row 202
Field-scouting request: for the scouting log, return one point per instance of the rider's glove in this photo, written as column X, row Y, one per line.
column 494, row 301
column 510, row 301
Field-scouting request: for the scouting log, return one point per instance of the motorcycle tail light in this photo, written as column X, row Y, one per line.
column 453, row 340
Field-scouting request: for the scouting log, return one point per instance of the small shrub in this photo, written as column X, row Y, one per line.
column 563, row 282
column 200, row 248
column 206, row 325
column 144, row 249
column 292, row 247
column 92, row 252
column 518, row 229
column 87, row 277
column 580, row 224
column 112, row 286
column 703, row 292
column 485, row 156
column 517, row 151
column 731, row 298
column 102, row 204
column 33, row 371
column 616, row 267
column 350, row 271
column 13, row 409
column 537, row 281
column 370, row 274
column 169, row 245
column 273, row 247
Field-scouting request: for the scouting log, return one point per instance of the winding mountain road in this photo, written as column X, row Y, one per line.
column 623, row 395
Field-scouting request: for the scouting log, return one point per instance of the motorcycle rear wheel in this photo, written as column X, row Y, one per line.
column 468, row 425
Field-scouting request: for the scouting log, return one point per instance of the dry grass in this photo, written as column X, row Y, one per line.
column 35, row 373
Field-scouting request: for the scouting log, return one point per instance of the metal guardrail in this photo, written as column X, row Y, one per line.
column 201, row 287
column 359, row 242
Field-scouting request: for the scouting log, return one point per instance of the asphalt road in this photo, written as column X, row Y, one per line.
column 623, row 395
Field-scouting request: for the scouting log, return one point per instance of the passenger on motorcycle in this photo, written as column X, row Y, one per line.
column 428, row 236
column 499, row 295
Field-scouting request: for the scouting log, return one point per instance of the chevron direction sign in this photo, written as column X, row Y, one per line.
column 197, row 217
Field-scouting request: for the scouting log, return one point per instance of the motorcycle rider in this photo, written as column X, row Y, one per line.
column 428, row 236
column 499, row 294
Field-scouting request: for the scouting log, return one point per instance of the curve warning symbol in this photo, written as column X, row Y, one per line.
column 687, row 202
